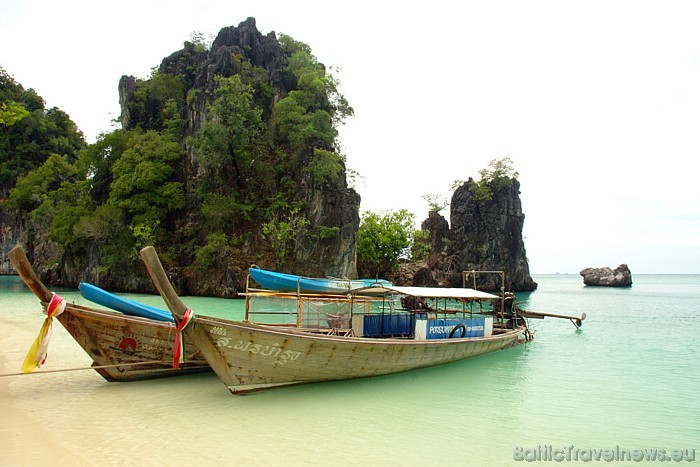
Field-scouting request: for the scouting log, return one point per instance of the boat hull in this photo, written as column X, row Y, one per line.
column 122, row 348
column 128, row 349
column 261, row 357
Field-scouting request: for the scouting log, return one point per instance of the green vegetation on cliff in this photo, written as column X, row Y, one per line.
column 206, row 168
column 383, row 239
column 30, row 134
column 227, row 156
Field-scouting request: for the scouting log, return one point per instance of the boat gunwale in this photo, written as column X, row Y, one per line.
column 98, row 313
column 295, row 332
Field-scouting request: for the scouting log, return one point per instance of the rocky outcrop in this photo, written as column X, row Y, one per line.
column 606, row 277
column 127, row 88
column 424, row 278
column 413, row 273
column 325, row 242
column 334, row 255
column 326, row 246
column 439, row 231
column 12, row 232
column 486, row 235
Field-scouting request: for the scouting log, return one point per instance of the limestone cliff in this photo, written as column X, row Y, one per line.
column 484, row 235
column 280, row 181
column 328, row 207
column 13, row 231
column 487, row 235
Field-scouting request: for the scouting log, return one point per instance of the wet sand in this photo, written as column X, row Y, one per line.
column 25, row 438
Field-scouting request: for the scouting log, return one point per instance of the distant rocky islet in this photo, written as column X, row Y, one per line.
column 607, row 277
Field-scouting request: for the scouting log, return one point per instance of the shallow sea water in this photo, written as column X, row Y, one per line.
column 629, row 378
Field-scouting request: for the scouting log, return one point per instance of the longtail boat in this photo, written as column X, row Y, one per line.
column 283, row 282
column 351, row 342
column 122, row 348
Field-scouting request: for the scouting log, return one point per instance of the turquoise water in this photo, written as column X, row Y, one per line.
column 629, row 378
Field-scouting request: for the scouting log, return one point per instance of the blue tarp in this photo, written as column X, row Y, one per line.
column 385, row 325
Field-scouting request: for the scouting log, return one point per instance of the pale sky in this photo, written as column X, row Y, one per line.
column 596, row 102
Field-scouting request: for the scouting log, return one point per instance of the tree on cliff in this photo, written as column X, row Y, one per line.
column 382, row 240
column 229, row 142
column 500, row 173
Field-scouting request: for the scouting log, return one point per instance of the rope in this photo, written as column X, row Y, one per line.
column 97, row 367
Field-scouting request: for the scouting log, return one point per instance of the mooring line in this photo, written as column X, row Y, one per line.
column 98, row 367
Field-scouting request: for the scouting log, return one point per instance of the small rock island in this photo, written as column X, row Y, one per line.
column 606, row 277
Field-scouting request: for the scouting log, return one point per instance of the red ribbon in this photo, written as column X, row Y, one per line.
column 56, row 306
column 179, row 350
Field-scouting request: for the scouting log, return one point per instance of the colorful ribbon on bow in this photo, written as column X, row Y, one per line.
column 179, row 350
column 37, row 352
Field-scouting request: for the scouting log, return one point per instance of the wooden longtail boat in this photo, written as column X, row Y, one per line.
column 250, row 357
column 282, row 282
column 122, row 348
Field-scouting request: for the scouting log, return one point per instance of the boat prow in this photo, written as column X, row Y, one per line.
column 122, row 348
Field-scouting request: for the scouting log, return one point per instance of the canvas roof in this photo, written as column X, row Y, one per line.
column 427, row 292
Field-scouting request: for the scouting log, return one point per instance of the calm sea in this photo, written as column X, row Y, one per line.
column 629, row 380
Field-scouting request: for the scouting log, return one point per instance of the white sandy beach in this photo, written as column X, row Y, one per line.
column 26, row 439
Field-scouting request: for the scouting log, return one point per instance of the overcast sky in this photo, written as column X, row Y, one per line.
column 596, row 102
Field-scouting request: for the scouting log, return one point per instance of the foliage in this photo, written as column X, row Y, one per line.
column 258, row 81
column 144, row 234
column 30, row 134
column 11, row 113
column 140, row 185
column 436, row 202
column 32, row 189
column 65, row 207
column 308, row 117
column 231, row 134
column 302, row 127
column 498, row 174
column 154, row 101
column 280, row 234
column 215, row 248
column 383, row 238
column 230, row 139
column 325, row 167
column 199, row 41
column 100, row 225
column 95, row 163
column 251, row 154
column 420, row 248
column 456, row 184
column 326, row 233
